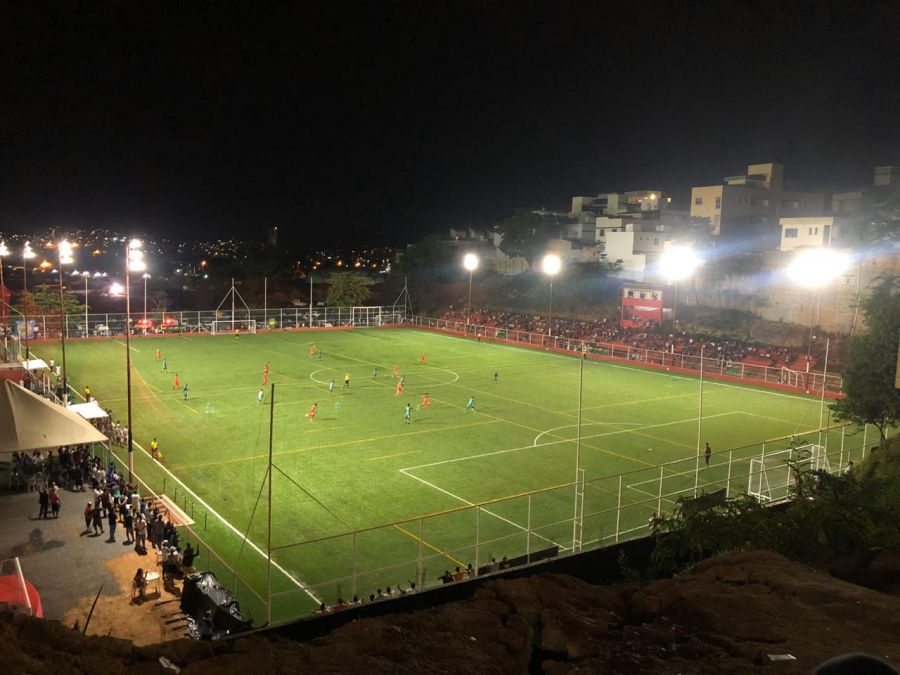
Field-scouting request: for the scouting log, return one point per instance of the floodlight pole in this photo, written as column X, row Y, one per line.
column 699, row 425
column 822, row 407
column 86, row 275
column 575, row 535
column 269, row 533
column 130, row 440
column 550, row 317
column 469, row 304
column 62, row 335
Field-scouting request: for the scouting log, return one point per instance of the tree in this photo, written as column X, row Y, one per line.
column 870, row 374
column 429, row 256
column 879, row 218
column 45, row 300
column 348, row 290
column 524, row 233
column 159, row 299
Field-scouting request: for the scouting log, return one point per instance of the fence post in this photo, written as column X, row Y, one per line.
column 659, row 503
column 528, row 531
column 477, row 533
column 355, row 558
column 165, row 478
column 865, row 439
column 421, row 570
column 205, row 517
column 619, row 508
column 728, row 479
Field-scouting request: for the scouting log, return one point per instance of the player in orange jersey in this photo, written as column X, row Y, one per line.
column 312, row 351
column 177, row 382
column 426, row 402
column 312, row 412
column 399, row 389
column 422, row 359
column 159, row 354
column 265, row 379
column 396, row 371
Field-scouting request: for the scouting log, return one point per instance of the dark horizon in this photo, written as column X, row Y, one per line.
column 384, row 123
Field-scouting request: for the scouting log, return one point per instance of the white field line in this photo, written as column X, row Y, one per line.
column 490, row 513
column 231, row 527
column 131, row 348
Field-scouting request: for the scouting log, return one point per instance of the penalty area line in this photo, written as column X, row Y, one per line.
column 231, row 527
column 490, row 513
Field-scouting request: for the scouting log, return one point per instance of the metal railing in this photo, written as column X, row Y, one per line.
column 810, row 382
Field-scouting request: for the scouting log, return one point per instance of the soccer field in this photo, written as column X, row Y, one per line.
column 364, row 486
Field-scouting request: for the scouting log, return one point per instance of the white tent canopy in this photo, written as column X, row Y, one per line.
column 89, row 411
column 29, row 422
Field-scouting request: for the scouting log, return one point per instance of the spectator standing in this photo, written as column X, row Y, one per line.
column 44, row 501
column 111, row 520
column 55, row 502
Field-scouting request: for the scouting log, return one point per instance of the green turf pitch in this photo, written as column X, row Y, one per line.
column 359, row 465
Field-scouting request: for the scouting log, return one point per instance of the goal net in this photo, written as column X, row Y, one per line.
column 230, row 326
column 771, row 477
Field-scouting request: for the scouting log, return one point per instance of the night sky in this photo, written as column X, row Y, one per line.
column 379, row 122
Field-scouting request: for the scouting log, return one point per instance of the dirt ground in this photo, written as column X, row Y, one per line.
column 728, row 616
column 152, row 620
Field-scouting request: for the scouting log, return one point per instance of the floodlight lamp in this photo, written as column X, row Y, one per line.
column 817, row 267
column 116, row 289
column 145, row 276
column 679, row 262
column 4, row 251
column 65, row 251
column 470, row 262
column 135, row 244
column 137, row 266
column 551, row 264
column 28, row 252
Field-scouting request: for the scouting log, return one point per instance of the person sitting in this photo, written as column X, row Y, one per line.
column 446, row 577
column 458, row 575
column 139, row 585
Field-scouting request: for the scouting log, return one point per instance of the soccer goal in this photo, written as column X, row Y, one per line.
column 231, row 326
column 771, row 477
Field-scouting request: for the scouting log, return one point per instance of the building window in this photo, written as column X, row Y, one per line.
column 790, row 204
column 630, row 294
column 643, row 296
column 717, row 220
column 698, row 201
column 718, row 202
column 655, row 296
column 759, row 201
column 791, row 233
column 656, row 241
column 848, row 281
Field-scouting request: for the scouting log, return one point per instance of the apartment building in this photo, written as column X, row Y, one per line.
column 749, row 206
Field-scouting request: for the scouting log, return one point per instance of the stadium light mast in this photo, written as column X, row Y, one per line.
column 134, row 262
column 64, row 248
column 551, row 266
column 27, row 254
column 4, row 251
column 470, row 262
column 145, row 276
column 815, row 268
column 677, row 264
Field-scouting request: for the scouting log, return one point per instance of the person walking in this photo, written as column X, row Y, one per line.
column 55, row 502
column 88, row 517
column 97, row 522
column 707, row 454
column 111, row 521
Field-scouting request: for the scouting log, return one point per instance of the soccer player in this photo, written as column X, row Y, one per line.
column 422, row 359
column 177, row 383
column 185, row 392
column 496, row 377
column 320, row 356
column 331, row 387
column 260, row 396
column 312, row 351
column 408, row 412
column 266, row 368
column 237, row 333
column 87, row 393
column 165, row 366
column 399, row 388
column 470, row 405
column 265, row 379
column 426, row 402
column 347, row 381
column 396, row 371
column 154, row 447
column 312, row 412
column 158, row 354
column 707, row 454
column 374, row 372
column 402, row 379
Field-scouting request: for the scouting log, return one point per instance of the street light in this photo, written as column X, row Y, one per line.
column 470, row 262
column 27, row 254
column 134, row 262
column 64, row 248
column 551, row 266
column 815, row 268
column 677, row 264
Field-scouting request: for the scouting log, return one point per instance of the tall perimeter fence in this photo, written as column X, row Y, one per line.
column 589, row 513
